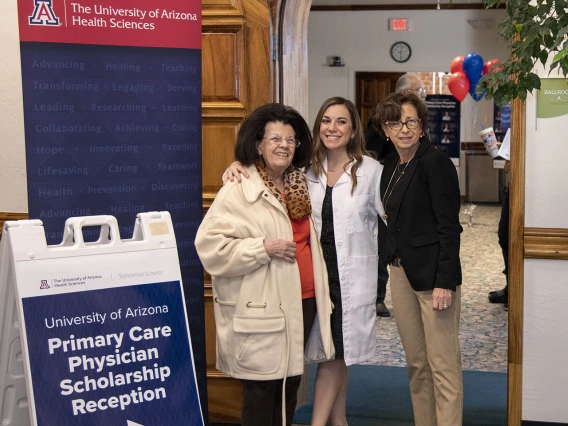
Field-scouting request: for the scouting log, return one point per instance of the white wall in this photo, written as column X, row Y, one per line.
column 363, row 41
column 13, row 190
column 545, row 347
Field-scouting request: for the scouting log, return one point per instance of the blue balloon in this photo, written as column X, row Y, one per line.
column 473, row 68
column 474, row 95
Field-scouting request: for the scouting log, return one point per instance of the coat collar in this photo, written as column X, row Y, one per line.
column 254, row 188
column 345, row 177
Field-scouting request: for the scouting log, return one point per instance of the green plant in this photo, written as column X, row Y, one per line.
column 533, row 32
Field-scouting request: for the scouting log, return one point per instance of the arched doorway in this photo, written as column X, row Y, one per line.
column 291, row 88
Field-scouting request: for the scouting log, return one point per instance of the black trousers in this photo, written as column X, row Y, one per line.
column 383, row 271
column 262, row 399
column 382, row 282
column 503, row 234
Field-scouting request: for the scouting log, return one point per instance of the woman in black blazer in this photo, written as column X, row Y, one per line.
column 421, row 198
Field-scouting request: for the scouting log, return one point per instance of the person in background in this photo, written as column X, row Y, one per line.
column 421, row 198
column 344, row 185
column 270, row 285
column 381, row 147
column 502, row 296
column 446, row 116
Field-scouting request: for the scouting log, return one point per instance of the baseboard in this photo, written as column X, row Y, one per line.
column 4, row 216
column 532, row 423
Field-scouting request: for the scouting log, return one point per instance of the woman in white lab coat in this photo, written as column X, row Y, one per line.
column 344, row 183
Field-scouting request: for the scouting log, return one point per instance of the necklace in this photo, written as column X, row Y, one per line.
column 387, row 193
column 398, row 167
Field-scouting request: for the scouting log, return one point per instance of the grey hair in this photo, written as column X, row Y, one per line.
column 406, row 82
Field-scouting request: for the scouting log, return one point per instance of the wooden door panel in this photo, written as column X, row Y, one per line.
column 371, row 88
column 223, row 67
column 367, row 92
column 218, row 144
column 236, row 80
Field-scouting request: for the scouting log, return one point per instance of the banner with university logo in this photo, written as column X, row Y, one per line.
column 112, row 115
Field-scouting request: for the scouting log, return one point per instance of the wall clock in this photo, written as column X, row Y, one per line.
column 400, row 51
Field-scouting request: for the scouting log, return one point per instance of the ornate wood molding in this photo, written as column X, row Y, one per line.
column 546, row 243
column 384, row 7
column 516, row 263
column 4, row 216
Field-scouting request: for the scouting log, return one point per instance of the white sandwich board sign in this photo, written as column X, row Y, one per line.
column 95, row 333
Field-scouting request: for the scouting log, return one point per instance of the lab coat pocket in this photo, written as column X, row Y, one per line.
column 259, row 342
column 363, row 276
column 356, row 211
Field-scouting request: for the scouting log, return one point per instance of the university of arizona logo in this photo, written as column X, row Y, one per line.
column 43, row 13
column 44, row 285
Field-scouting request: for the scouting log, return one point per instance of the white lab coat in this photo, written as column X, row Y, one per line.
column 355, row 223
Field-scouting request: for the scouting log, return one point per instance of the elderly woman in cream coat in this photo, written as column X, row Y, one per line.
column 260, row 246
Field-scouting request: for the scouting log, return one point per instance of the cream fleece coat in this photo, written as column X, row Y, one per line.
column 258, row 301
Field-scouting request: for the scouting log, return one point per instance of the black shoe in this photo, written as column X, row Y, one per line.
column 498, row 296
column 382, row 310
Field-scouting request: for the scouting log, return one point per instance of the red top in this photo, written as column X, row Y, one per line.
column 301, row 229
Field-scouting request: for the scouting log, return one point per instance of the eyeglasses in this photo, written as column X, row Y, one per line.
column 398, row 125
column 277, row 140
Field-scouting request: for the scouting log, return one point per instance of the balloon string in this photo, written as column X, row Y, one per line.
column 474, row 114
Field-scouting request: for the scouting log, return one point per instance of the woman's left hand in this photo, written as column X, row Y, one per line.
column 442, row 299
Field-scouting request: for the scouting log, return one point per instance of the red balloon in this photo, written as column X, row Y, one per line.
column 457, row 64
column 489, row 64
column 458, row 85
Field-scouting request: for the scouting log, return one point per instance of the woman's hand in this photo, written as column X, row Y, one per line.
column 281, row 249
column 442, row 299
column 234, row 171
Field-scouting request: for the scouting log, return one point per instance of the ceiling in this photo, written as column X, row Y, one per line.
column 387, row 2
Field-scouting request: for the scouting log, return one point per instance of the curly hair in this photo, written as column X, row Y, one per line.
column 252, row 131
column 355, row 148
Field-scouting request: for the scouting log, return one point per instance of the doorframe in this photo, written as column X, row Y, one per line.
column 292, row 89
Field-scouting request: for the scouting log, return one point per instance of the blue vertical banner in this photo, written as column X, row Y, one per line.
column 112, row 114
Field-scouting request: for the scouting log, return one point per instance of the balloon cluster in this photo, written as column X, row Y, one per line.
column 466, row 72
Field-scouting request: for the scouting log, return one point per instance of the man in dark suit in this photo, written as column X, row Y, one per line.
column 379, row 146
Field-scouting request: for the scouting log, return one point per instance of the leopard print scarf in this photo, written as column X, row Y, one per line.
column 296, row 199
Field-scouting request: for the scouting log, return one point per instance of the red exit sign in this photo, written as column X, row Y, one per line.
column 398, row 24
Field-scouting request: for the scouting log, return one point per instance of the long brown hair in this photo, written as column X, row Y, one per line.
column 355, row 148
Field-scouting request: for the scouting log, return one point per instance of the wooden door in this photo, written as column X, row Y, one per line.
column 236, row 80
column 371, row 88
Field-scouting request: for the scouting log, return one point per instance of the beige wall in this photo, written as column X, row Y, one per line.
column 363, row 41
column 545, row 350
column 13, row 191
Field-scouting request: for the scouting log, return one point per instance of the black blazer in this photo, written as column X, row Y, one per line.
column 426, row 225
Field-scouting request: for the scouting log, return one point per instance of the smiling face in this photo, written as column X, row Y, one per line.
column 277, row 156
column 336, row 127
column 405, row 139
